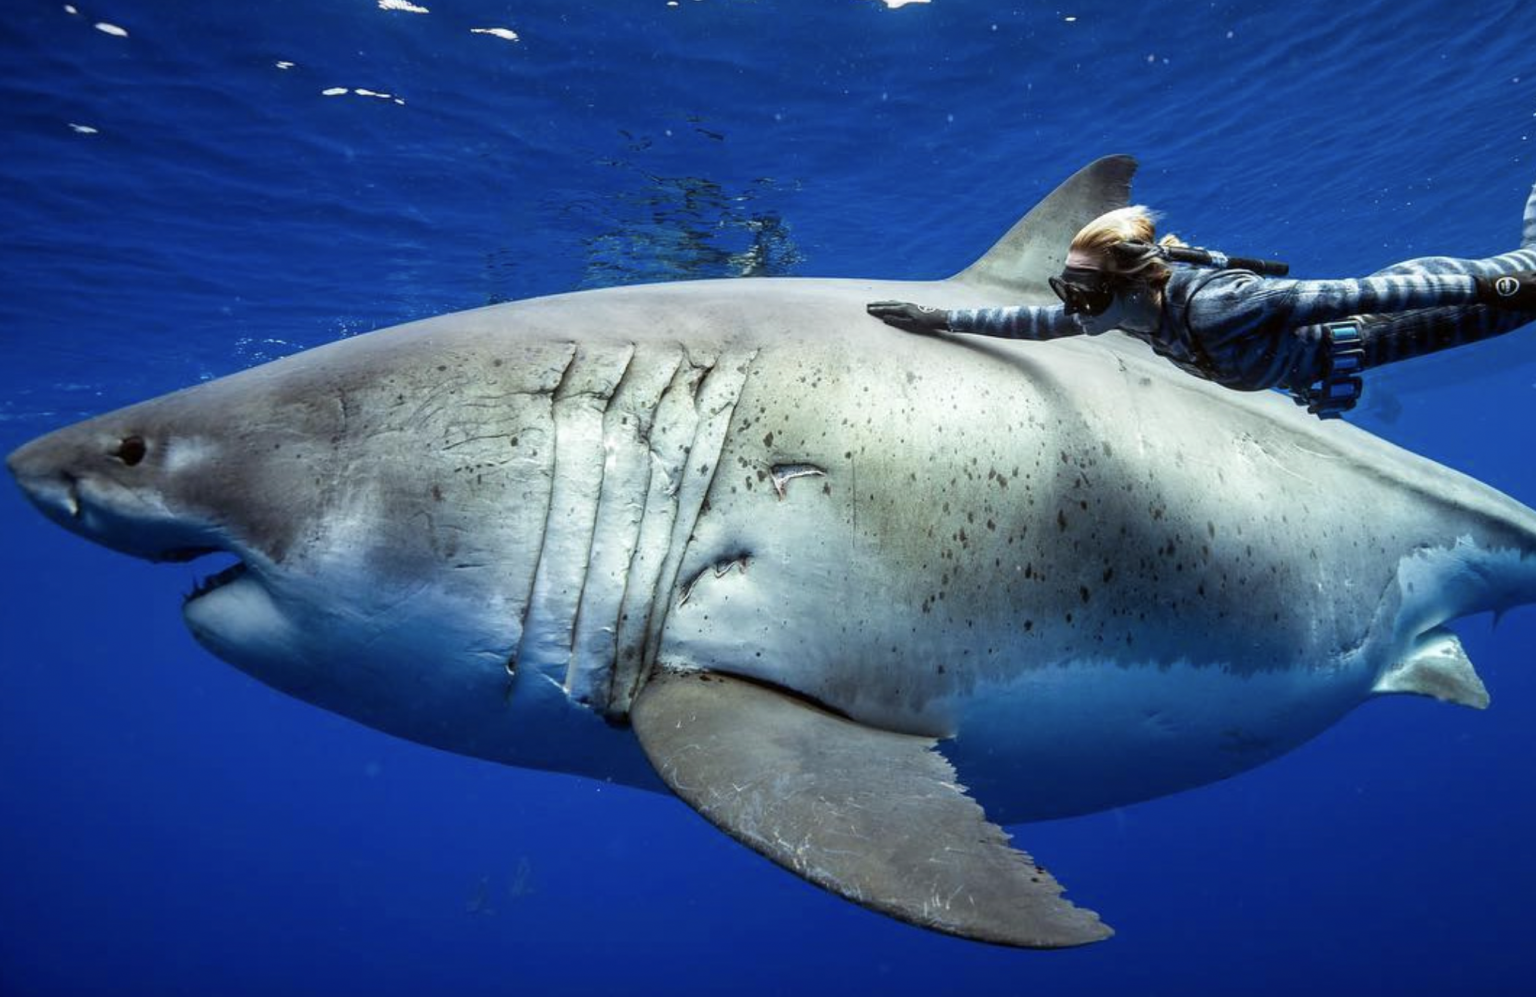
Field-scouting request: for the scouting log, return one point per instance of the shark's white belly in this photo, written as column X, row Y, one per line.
column 1091, row 735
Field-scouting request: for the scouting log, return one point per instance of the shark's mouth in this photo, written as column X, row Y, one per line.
column 215, row 580
column 207, row 583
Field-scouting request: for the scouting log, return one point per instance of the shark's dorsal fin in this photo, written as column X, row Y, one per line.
column 1036, row 246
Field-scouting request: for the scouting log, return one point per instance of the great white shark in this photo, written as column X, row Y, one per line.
column 858, row 597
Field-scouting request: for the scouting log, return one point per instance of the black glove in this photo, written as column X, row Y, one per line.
column 909, row 317
column 1515, row 291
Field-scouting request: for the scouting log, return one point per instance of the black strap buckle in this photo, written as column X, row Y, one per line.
column 1341, row 385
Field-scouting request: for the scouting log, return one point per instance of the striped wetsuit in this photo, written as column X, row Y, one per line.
column 1249, row 332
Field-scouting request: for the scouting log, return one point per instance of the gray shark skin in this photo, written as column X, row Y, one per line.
column 857, row 596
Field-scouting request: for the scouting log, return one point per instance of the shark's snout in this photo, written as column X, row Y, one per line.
column 46, row 481
column 103, row 486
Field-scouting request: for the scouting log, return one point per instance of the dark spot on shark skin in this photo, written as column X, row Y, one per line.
column 437, row 493
column 441, row 368
column 1061, row 520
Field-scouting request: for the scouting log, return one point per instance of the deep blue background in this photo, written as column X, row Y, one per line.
column 168, row 826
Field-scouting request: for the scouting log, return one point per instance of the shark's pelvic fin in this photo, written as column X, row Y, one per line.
column 1437, row 667
column 873, row 816
column 1035, row 248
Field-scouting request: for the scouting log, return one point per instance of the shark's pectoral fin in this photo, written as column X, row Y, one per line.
column 1437, row 667
column 873, row 816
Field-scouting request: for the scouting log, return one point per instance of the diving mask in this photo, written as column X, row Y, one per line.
column 1085, row 290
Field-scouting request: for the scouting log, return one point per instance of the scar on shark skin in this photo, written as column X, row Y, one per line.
column 720, row 569
column 783, row 474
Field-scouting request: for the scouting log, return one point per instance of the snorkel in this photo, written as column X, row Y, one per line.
column 1134, row 252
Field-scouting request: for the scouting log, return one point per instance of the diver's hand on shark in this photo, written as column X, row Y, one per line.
column 1515, row 291
column 909, row 317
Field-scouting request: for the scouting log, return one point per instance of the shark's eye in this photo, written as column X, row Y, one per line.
column 131, row 450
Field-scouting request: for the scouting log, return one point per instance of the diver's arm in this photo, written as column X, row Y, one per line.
column 1243, row 299
column 1020, row 322
column 1514, row 291
column 1023, row 322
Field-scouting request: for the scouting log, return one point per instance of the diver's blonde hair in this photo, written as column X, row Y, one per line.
column 1137, row 223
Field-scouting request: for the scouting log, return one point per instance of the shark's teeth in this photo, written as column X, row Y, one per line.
column 206, row 585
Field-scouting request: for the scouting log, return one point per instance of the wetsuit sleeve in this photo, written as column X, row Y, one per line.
column 1245, row 324
column 1022, row 322
column 1246, row 303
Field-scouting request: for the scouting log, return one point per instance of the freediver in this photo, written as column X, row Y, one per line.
column 1229, row 320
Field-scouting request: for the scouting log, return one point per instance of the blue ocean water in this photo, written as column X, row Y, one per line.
column 181, row 197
